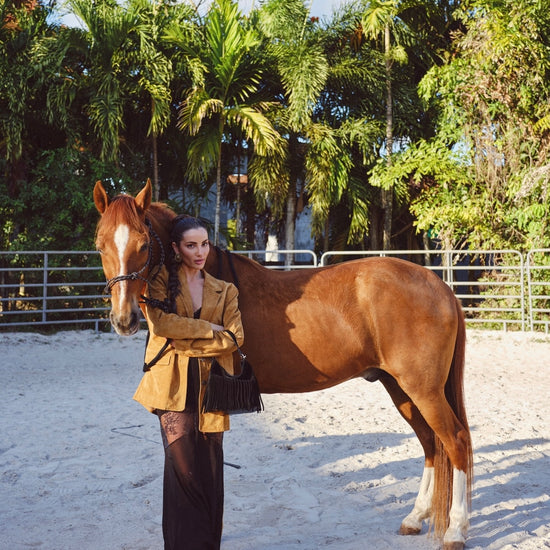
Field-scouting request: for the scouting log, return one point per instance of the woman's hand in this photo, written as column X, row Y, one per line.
column 216, row 327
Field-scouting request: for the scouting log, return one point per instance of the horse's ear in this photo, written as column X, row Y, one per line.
column 101, row 199
column 143, row 198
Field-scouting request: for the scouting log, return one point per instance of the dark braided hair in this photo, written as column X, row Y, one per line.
column 180, row 225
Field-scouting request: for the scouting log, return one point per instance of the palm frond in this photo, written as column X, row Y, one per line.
column 304, row 70
column 106, row 115
column 196, row 108
column 543, row 124
column 203, row 154
column 378, row 14
column 283, row 19
column 327, row 169
column 270, row 177
column 256, row 128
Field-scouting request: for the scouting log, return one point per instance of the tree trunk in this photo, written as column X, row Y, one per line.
column 156, row 183
column 376, row 220
column 326, row 237
column 218, row 189
column 238, row 210
column 290, row 223
column 218, row 199
column 387, row 194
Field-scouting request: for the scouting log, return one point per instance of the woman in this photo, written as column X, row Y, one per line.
column 195, row 309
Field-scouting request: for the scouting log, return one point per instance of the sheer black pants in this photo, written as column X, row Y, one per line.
column 193, row 493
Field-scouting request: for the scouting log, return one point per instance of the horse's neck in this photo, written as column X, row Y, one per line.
column 161, row 217
column 244, row 272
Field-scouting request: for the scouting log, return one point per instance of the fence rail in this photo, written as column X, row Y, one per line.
column 498, row 288
column 52, row 288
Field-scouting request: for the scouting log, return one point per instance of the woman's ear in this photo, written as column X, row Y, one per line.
column 175, row 248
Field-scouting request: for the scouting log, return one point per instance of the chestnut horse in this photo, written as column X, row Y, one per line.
column 379, row 318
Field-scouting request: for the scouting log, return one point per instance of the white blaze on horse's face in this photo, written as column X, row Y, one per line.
column 123, row 252
column 122, row 235
column 124, row 259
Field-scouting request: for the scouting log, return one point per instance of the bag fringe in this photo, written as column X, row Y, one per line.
column 232, row 395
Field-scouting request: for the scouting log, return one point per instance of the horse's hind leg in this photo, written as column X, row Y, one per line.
column 412, row 524
column 455, row 441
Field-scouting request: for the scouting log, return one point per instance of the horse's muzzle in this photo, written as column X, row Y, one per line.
column 125, row 325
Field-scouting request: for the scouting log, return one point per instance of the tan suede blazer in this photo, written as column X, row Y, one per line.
column 164, row 387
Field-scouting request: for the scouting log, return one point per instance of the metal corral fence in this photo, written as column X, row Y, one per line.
column 499, row 289
column 39, row 289
column 538, row 283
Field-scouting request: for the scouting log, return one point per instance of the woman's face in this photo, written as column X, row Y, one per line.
column 193, row 248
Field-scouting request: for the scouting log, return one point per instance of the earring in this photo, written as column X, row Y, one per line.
column 177, row 258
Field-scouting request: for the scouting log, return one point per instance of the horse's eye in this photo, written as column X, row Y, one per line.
column 144, row 247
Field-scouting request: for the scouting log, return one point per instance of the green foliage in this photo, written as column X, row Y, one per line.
column 21, row 32
column 54, row 210
column 493, row 101
column 221, row 101
column 305, row 102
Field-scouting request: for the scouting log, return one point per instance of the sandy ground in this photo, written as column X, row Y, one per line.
column 81, row 463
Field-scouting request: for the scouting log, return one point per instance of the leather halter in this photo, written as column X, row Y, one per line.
column 136, row 275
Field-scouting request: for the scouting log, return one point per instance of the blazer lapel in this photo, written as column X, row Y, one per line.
column 185, row 296
column 211, row 296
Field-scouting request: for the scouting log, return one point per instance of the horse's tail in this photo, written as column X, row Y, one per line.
column 443, row 469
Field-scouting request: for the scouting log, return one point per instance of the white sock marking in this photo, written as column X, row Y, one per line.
column 423, row 503
column 458, row 515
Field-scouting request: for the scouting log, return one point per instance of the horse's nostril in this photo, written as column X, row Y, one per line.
column 127, row 323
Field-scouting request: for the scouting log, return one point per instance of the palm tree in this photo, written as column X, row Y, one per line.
column 153, row 69
column 122, row 48
column 23, row 26
column 381, row 20
column 225, row 80
column 301, row 70
column 103, row 44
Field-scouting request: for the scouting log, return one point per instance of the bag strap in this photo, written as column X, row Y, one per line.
column 147, row 366
column 243, row 356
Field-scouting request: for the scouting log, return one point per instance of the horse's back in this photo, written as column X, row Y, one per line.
column 333, row 323
column 390, row 285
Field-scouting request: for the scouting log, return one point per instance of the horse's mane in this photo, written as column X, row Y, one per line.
column 162, row 213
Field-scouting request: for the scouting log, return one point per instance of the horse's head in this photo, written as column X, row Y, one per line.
column 126, row 242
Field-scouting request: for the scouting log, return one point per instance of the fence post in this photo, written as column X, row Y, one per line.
column 447, row 262
column 45, row 288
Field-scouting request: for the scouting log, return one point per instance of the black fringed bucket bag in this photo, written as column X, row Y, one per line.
column 233, row 394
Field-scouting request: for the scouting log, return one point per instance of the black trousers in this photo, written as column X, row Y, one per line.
column 193, row 493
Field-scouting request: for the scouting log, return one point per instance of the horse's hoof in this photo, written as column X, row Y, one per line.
column 453, row 545
column 407, row 530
